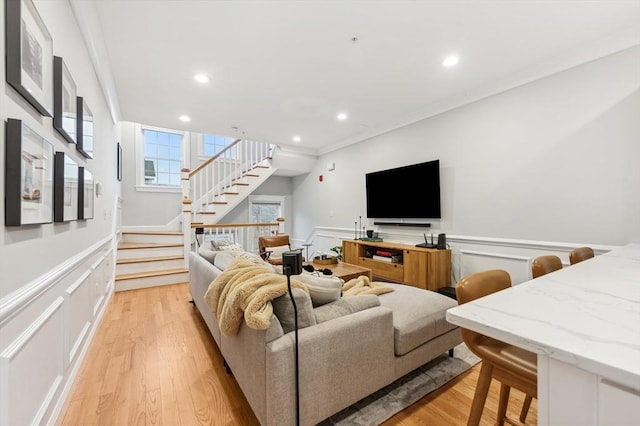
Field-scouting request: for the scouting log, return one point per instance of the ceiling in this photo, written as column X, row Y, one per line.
column 284, row 68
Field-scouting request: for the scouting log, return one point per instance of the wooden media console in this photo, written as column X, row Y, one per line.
column 420, row 267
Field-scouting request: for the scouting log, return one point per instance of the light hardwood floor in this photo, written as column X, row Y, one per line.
column 153, row 362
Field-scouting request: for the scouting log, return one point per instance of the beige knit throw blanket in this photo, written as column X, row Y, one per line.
column 362, row 285
column 246, row 289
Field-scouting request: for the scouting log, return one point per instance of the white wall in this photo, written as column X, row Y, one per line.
column 27, row 252
column 56, row 278
column 554, row 160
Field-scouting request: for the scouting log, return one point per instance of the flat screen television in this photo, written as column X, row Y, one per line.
column 408, row 192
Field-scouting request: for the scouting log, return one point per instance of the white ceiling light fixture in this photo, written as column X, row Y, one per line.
column 184, row 118
column 342, row 116
column 201, row 78
column 297, row 138
column 450, row 61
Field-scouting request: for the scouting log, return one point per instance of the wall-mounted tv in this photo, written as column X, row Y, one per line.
column 408, row 192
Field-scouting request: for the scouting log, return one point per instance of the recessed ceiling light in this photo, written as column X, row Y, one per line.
column 184, row 118
column 342, row 116
column 201, row 78
column 297, row 139
column 450, row 61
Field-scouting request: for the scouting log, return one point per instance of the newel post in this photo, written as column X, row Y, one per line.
column 186, row 217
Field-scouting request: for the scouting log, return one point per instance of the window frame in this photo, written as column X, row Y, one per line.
column 141, row 185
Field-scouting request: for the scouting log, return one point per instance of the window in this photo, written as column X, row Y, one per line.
column 162, row 158
column 264, row 209
column 213, row 144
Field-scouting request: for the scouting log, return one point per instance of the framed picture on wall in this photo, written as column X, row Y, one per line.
column 86, row 194
column 119, row 159
column 65, row 101
column 84, row 131
column 29, row 55
column 28, row 182
column 65, row 188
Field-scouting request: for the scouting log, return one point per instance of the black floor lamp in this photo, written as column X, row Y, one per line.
column 292, row 265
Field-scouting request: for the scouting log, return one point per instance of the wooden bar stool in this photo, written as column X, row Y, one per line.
column 510, row 365
column 579, row 254
column 544, row 264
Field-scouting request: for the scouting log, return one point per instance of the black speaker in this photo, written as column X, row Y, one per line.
column 442, row 241
column 292, row 262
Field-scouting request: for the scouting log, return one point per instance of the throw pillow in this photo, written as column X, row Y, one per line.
column 223, row 260
column 276, row 252
column 253, row 258
column 322, row 289
column 234, row 248
column 217, row 245
column 346, row 306
column 283, row 309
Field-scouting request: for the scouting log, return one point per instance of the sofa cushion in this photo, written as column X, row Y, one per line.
column 418, row 315
column 346, row 306
column 207, row 254
column 283, row 309
column 322, row 289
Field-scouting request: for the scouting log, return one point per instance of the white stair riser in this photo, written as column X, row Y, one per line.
column 146, row 282
column 150, row 252
column 151, row 238
column 135, row 268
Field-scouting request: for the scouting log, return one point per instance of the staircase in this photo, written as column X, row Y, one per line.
column 149, row 258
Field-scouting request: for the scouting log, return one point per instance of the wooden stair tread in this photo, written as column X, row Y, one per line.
column 218, row 202
column 241, row 183
column 147, row 259
column 204, row 213
column 133, row 246
column 251, row 175
column 151, row 233
column 151, row 274
column 230, row 193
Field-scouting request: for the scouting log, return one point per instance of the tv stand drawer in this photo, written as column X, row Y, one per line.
column 390, row 271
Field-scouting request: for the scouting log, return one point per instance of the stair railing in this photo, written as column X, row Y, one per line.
column 236, row 233
column 202, row 185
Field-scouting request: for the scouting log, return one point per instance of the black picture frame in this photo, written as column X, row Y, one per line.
column 65, row 188
column 29, row 168
column 119, row 163
column 86, row 194
column 84, row 132
column 29, row 54
column 65, row 101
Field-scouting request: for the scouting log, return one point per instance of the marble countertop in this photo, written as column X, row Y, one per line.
column 586, row 315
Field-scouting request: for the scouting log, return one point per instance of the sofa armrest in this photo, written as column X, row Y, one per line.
column 341, row 361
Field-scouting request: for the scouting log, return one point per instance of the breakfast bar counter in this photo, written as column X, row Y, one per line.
column 583, row 321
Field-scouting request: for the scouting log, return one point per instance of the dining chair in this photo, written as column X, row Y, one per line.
column 542, row 265
column 579, row 254
column 512, row 366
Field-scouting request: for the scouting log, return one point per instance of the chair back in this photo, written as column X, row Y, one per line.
column 271, row 241
column 579, row 254
column 475, row 286
column 545, row 264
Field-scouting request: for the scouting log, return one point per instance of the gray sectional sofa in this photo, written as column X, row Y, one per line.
column 343, row 358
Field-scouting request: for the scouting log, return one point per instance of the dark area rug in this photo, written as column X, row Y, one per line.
column 381, row 405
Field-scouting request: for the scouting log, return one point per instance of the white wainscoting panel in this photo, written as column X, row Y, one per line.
column 518, row 267
column 79, row 313
column 32, row 368
column 45, row 330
